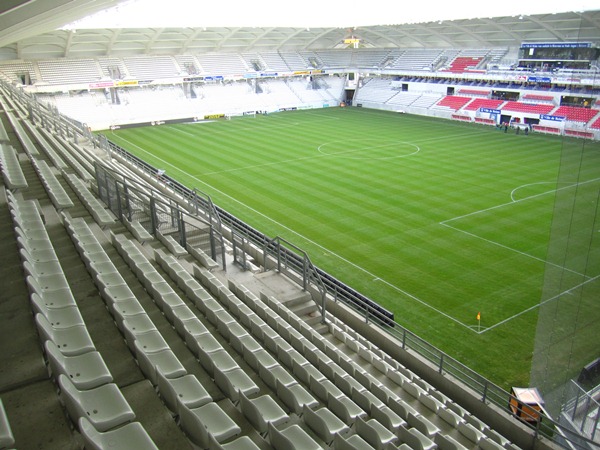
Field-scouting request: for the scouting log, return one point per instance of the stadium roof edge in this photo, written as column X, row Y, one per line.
column 20, row 19
column 37, row 37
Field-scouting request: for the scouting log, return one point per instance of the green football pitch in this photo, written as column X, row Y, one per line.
column 435, row 220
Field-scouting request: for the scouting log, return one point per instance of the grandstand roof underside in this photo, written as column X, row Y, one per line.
column 28, row 30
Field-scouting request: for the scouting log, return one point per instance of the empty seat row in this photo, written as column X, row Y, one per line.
column 95, row 207
column 138, row 230
column 211, row 354
column 202, row 257
column 26, row 142
column 56, row 192
column 3, row 134
column 85, row 383
column 56, row 160
column 451, row 413
column 420, row 423
column 181, row 392
column 170, row 242
column 13, row 175
column 263, row 412
column 340, row 404
column 143, row 338
column 217, row 362
column 63, row 149
column 7, row 439
column 419, row 428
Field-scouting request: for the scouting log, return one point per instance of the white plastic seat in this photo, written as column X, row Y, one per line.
column 185, row 389
column 447, row 442
column 178, row 312
column 383, row 393
column 150, row 361
column 287, row 357
column 207, row 419
column 295, row 397
column 241, row 443
column 276, row 374
column 324, row 388
column 450, row 417
column 366, row 400
column 324, row 423
column 40, row 256
column 201, row 344
column 52, row 299
column 307, row 372
column 402, row 408
column 262, row 411
column 422, row 424
column 104, row 406
column 374, row 433
column 218, row 359
column 345, row 409
column 134, row 326
column 64, row 317
column 70, row 341
column 291, row 438
column 125, row 308
column 243, row 342
column 132, row 436
column 415, row 439
column 235, row 381
column 387, row 417
column 118, row 293
column 7, row 438
column 431, row 402
column 108, row 280
column 259, row 358
column 169, row 301
column 354, row 442
column 86, row 371
column 470, row 432
column 49, row 268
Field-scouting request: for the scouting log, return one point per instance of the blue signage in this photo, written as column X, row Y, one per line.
column 553, row 118
column 539, row 79
column 558, row 45
column 489, row 110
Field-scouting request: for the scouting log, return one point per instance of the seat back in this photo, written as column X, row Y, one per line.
column 71, row 397
column 56, row 360
column 251, row 412
column 44, row 328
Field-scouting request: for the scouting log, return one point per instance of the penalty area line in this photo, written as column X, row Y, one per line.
column 531, row 308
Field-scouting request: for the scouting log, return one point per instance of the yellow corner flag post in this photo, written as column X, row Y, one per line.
column 478, row 322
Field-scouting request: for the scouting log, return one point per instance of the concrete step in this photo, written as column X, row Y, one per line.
column 296, row 298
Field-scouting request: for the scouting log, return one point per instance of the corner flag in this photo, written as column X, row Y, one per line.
column 478, row 316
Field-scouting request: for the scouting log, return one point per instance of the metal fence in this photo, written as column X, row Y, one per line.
column 157, row 213
column 582, row 411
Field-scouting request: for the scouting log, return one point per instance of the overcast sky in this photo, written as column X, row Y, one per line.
column 313, row 13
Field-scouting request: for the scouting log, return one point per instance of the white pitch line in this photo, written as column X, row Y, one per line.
column 445, row 223
column 568, row 291
column 491, row 208
column 512, row 249
column 512, row 193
